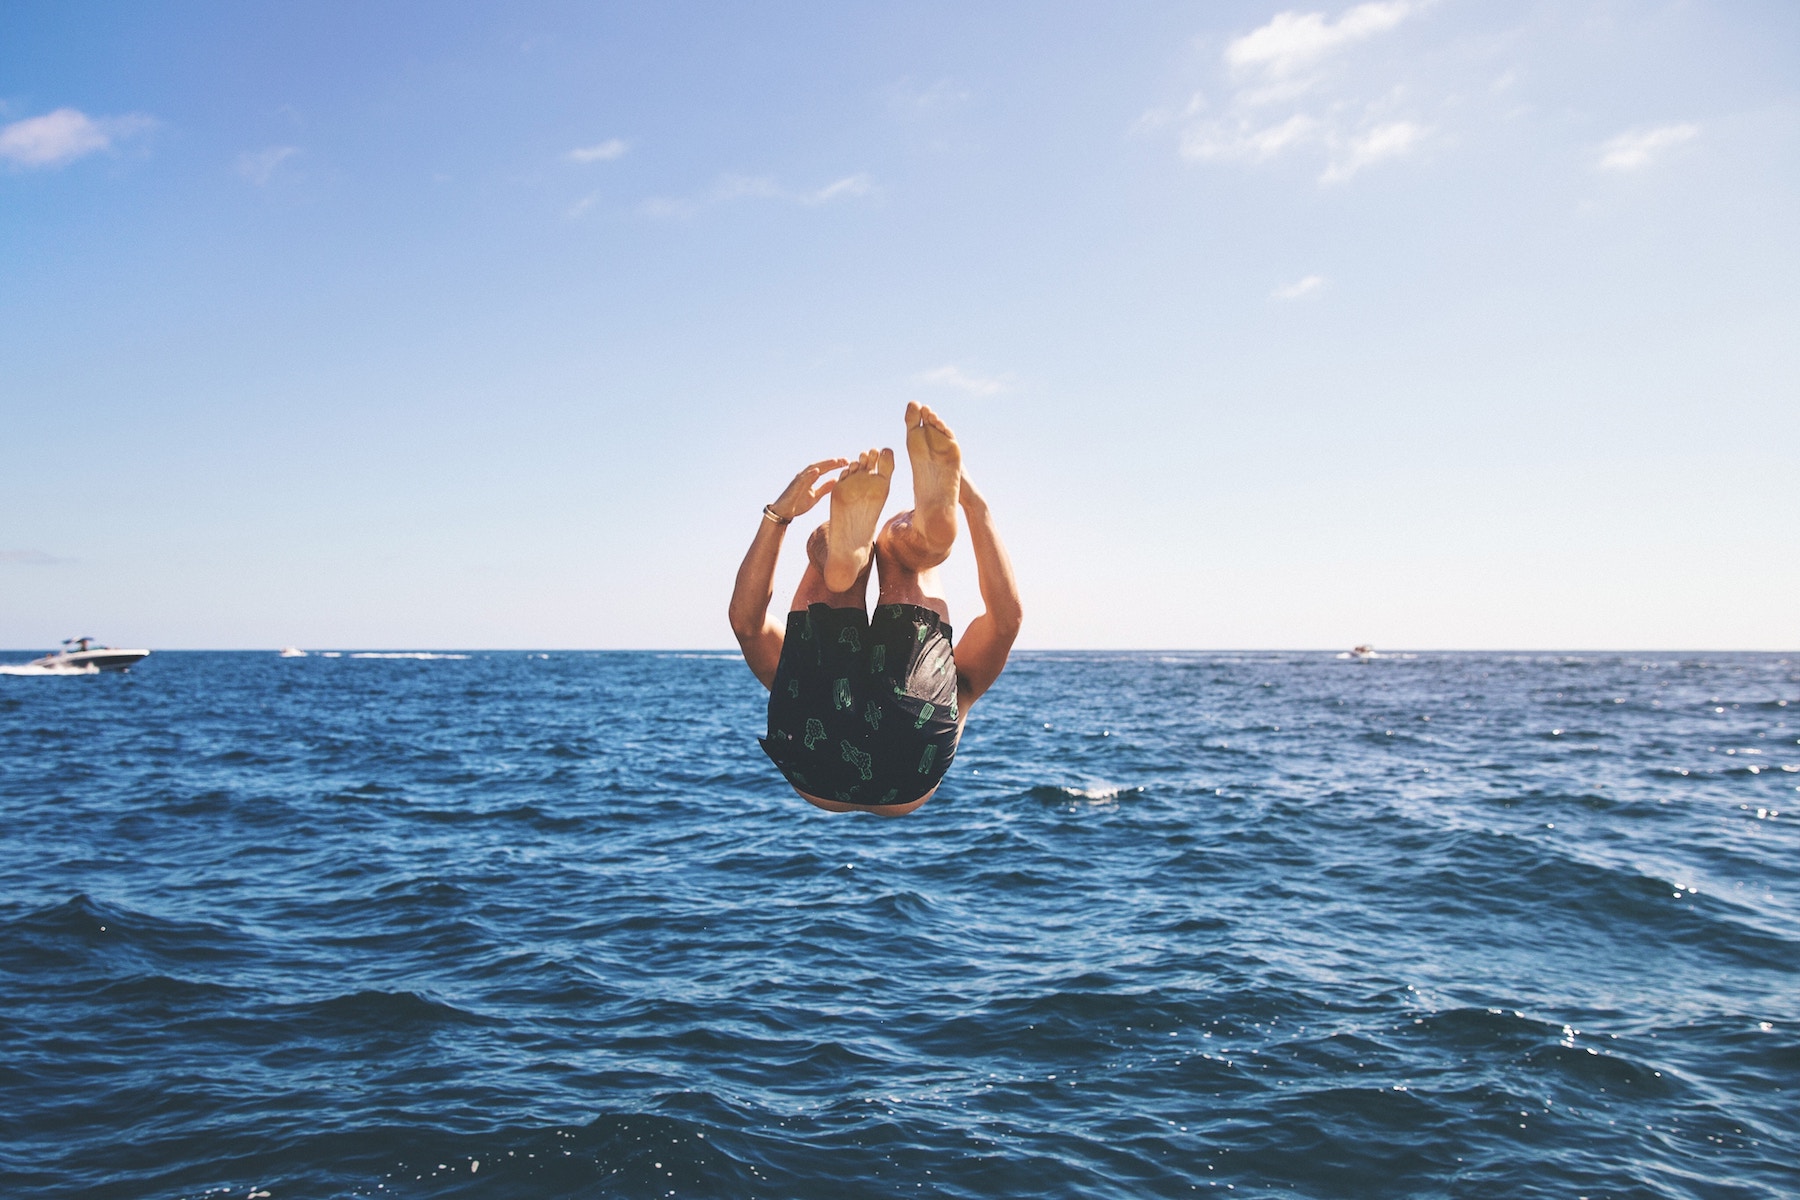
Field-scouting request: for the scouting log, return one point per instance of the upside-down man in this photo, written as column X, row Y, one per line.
column 865, row 715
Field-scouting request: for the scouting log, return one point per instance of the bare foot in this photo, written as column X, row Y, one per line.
column 937, row 477
column 855, row 512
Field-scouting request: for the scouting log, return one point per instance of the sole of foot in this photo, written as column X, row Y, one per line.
column 937, row 475
column 856, row 502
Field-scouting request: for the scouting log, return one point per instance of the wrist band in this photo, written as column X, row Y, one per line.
column 770, row 514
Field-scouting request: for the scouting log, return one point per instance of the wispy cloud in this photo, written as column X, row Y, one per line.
column 761, row 187
column 1371, row 146
column 605, row 151
column 1293, row 42
column 60, row 137
column 1282, row 65
column 842, row 189
column 1637, row 149
column 1243, row 140
column 1311, row 285
column 259, row 166
column 31, row 558
column 951, row 376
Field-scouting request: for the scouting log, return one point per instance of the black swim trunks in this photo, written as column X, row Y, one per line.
column 864, row 711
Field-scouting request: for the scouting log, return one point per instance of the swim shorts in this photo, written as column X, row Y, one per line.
column 864, row 711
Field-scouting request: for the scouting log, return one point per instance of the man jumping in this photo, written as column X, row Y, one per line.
column 864, row 716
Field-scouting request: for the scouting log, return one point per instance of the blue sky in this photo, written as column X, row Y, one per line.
column 1424, row 324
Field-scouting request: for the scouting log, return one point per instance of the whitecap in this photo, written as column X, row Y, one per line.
column 423, row 654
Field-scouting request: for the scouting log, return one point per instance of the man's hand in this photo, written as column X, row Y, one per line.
column 801, row 494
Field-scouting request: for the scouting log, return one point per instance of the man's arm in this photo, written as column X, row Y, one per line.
column 982, row 650
column 758, row 634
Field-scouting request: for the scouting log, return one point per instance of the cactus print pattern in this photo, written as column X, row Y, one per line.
column 861, row 760
column 836, row 672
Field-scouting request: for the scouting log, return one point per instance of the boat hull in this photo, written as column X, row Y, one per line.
column 109, row 659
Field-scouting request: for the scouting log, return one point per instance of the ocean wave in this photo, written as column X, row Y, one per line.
column 423, row 655
column 533, row 928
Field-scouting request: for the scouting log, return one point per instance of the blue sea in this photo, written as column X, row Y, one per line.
column 550, row 925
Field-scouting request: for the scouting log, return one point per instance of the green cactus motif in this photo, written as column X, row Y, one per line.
column 848, row 797
column 806, row 626
column 840, row 694
column 850, row 636
column 927, row 758
column 794, row 688
column 815, row 732
column 919, row 632
column 925, row 711
column 877, row 658
column 863, row 761
column 891, row 794
column 872, row 715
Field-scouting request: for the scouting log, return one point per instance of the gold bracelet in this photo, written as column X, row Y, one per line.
column 770, row 513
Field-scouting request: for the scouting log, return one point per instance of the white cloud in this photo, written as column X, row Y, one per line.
column 1292, row 42
column 760, row 187
column 1279, row 65
column 61, row 137
column 849, row 185
column 951, row 376
column 1240, row 139
column 1635, row 150
column 603, row 152
column 1300, row 288
column 259, row 167
column 1391, row 140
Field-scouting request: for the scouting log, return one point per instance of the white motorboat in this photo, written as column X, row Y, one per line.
column 292, row 652
column 80, row 655
column 1360, row 654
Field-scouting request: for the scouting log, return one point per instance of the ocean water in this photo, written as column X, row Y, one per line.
column 513, row 925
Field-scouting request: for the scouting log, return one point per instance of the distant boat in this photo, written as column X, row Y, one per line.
column 292, row 652
column 1361, row 653
column 80, row 655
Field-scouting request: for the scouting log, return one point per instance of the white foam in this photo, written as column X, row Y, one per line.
column 33, row 669
column 426, row 654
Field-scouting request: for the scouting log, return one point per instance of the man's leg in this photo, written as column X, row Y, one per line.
column 812, row 589
column 915, row 542
column 856, row 501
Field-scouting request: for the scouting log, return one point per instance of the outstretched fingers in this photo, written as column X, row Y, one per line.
column 801, row 494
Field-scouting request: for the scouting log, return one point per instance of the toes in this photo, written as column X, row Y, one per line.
column 912, row 414
column 887, row 463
